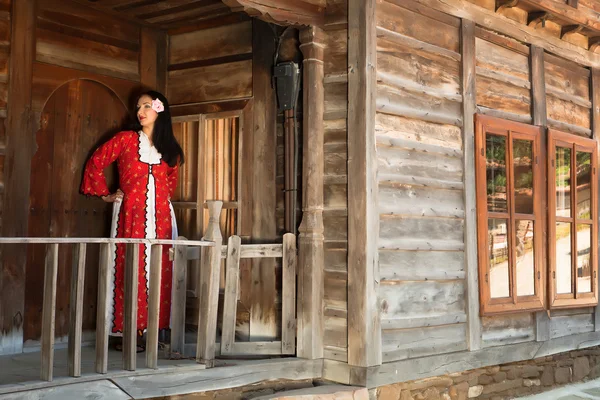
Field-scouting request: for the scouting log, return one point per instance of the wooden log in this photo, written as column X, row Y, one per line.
column 130, row 319
column 48, row 312
column 17, row 171
column 209, row 288
column 595, row 95
column 76, row 307
column 154, row 306
column 539, row 113
column 178, row 299
column 107, row 254
column 232, row 286
column 311, row 238
column 288, row 295
column 470, row 231
column 364, row 331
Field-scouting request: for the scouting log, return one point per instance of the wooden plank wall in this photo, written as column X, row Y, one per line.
column 74, row 36
column 335, row 211
column 210, row 64
column 5, row 13
column 421, row 203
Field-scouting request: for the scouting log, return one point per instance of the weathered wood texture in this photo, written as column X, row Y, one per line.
column 75, row 36
column 335, row 191
column 420, row 196
column 211, row 64
column 568, row 96
column 16, row 166
column 292, row 12
column 364, row 333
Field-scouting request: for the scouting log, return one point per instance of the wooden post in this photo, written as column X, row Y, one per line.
column 469, row 91
column 288, row 295
column 132, row 257
column 364, row 326
column 17, row 169
column 311, row 253
column 178, row 298
column 102, row 312
column 595, row 95
column 48, row 311
column 153, row 59
column 540, row 118
column 76, row 317
column 154, row 307
column 209, row 287
column 232, row 287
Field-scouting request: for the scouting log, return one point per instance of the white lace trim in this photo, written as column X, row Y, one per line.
column 148, row 153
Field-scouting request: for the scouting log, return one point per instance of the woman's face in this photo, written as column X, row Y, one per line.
column 145, row 114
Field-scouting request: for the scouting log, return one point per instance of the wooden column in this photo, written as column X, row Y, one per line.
column 470, row 238
column 595, row 95
column 17, row 168
column 263, row 289
column 153, row 59
column 364, row 326
column 540, row 118
column 311, row 254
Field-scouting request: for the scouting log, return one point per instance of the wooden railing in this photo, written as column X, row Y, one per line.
column 209, row 250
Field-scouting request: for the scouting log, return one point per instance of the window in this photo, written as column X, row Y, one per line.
column 510, row 221
column 572, row 208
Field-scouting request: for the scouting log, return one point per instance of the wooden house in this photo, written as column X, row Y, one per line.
column 447, row 192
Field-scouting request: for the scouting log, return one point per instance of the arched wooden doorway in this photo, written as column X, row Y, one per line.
column 76, row 118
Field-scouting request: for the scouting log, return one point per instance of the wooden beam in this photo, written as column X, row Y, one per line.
column 153, row 59
column 499, row 23
column 364, row 330
column 311, row 268
column 501, row 4
column 570, row 29
column 534, row 18
column 76, row 309
column 540, row 118
column 49, row 312
column 573, row 3
column 107, row 253
column 292, row 12
column 593, row 43
column 17, row 168
column 469, row 91
column 130, row 309
column 156, row 254
column 595, row 96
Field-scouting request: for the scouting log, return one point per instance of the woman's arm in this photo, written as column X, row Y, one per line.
column 94, row 181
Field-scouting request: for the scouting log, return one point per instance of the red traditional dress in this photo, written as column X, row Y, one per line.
column 148, row 183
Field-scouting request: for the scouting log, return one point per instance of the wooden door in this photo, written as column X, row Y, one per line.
column 77, row 117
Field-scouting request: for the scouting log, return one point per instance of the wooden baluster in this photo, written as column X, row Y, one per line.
column 232, row 288
column 76, row 309
column 209, row 287
column 288, row 295
column 178, row 298
column 48, row 311
column 130, row 311
column 154, row 307
column 107, row 252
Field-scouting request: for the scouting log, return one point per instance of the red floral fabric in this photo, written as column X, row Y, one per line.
column 135, row 181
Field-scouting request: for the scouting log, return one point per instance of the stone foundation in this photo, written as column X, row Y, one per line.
column 500, row 382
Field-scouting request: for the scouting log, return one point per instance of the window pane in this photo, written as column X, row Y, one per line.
column 498, row 245
column 495, row 153
column 523, row 175
column 525, row 258
column 563, row 257
column 583, row 164
column 584, row 270
column 563, row 182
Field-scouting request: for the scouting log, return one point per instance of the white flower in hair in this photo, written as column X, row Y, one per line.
column 158, row 105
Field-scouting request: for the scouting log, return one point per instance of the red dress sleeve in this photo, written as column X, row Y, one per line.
column 94, row 181
column 172, row 175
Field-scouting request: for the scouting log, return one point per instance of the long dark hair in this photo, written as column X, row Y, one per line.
column 162, row 135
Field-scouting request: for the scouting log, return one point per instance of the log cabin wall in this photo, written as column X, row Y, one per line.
column 420, row 168
column 335, row 191
column 5, row 26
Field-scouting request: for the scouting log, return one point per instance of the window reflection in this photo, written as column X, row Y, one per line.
column 563, row 182
column 563, row 257
column 584, row 270
column 498, row 260
column 584, row 179
column 495, row 154
column 523, row 176
column 524, row 258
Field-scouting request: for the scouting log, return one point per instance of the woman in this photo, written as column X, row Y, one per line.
column 148, row 159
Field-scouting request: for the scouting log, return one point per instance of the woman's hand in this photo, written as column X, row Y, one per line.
column 111, row 198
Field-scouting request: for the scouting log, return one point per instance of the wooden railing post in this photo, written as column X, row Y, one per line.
column 132, row 257
column 154, row 307
column 209, row 287
column 102, row 312
column 48, row 311
column 288, row 295
column 178, row 298
column 232, row 287
column 76, row 317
